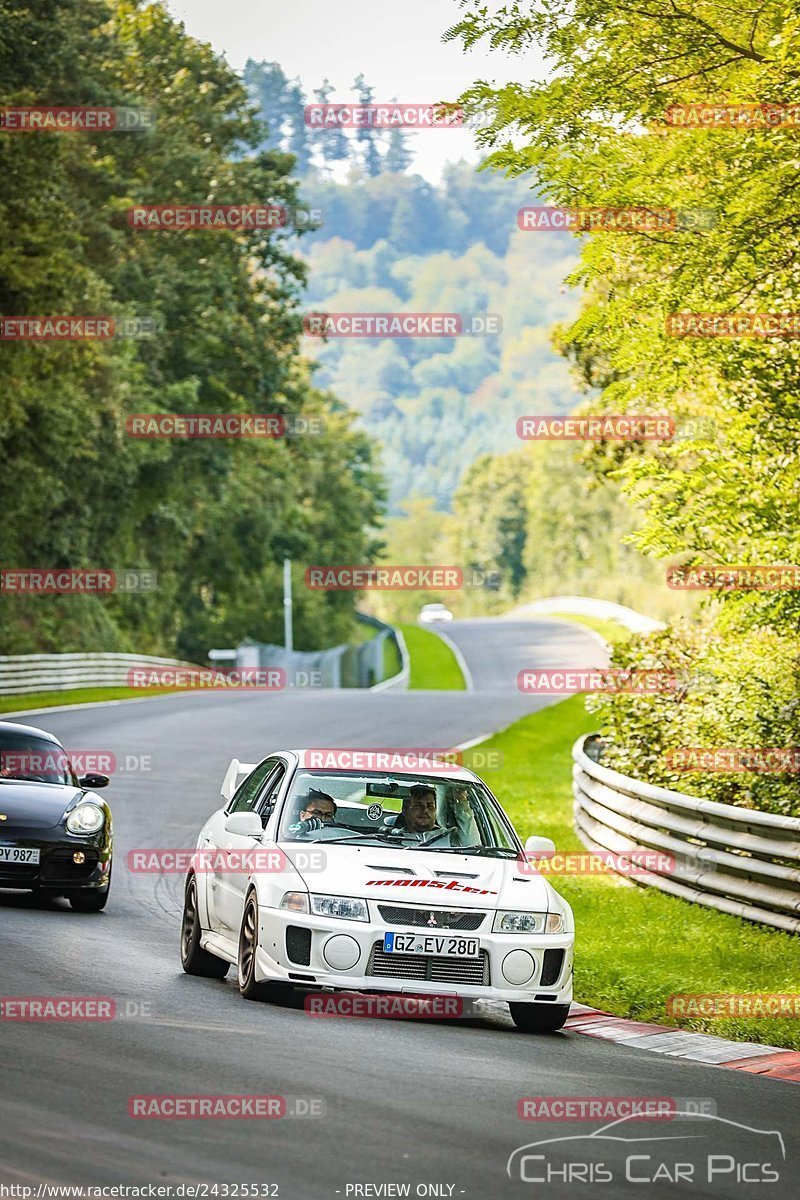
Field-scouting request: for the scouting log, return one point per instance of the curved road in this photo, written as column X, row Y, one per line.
column 419, row 1103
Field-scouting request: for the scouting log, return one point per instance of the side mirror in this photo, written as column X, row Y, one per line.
column 540, row 846
column 244, row 824
column 94, row 781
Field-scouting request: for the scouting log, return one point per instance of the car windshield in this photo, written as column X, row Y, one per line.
column 35, row 759
column 414, row 812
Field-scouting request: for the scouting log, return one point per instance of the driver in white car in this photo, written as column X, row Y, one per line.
column 418, row 818
column 317, row 811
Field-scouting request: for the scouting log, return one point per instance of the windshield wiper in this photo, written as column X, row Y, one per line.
column 485, row 851
column 351, row 841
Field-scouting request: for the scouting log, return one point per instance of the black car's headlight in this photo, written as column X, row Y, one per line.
column 86, row 818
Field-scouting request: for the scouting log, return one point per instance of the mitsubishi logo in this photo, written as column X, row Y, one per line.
column 432, row 919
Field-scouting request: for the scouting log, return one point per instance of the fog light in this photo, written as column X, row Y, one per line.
column 79, row 857
column 518, row 967
column 341, row 952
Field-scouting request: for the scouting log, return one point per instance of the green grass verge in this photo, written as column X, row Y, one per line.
column 76, row 696
column 636, row 946
column 433, row 664
column 391, row 658
column 610, row 631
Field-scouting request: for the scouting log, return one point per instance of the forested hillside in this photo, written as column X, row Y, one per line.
column 212, row 518
column 391, row 241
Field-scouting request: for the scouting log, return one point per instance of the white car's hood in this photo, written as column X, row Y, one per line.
column 420, row 877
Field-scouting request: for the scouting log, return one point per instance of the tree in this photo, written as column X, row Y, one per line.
column 398, row 157
column 367, row 137
column 212, row 518
column 331, row 141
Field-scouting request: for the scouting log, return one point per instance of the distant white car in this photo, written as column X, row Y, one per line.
column 434, row 612
column 375, row 876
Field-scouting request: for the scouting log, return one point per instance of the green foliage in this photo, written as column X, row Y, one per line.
column 735, row 691
column 215, row 518
column 728, row 490
column 689, row 949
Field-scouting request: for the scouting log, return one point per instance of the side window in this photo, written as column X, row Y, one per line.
column 270, row 793
column 247, row 794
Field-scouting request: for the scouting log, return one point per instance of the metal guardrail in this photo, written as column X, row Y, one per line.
column 349, row 665
column 21, row 673
column 733, row 859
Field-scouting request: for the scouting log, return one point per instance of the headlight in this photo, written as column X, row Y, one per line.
column 295, row 901
column 86, row 818
column 345, row 907
column 519, row 922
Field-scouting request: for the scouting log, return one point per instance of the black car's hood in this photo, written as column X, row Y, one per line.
column 34, row 805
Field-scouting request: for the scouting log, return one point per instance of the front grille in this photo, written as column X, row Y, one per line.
column 395, row 914
column 551, row 968
column 298, row 945
column 473, row 972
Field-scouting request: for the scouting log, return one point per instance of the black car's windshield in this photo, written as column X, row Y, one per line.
column 411, row 812
column 25, row 756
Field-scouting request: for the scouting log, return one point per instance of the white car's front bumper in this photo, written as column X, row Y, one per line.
column 371, row 970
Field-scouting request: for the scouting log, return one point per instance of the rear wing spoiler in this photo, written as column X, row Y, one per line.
column 234, row 775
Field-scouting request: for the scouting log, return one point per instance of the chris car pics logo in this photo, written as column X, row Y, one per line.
column 701, row 1150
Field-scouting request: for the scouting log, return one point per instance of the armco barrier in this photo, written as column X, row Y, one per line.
column 733, row 859
column 21, row 673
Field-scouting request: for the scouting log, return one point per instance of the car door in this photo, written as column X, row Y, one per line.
column 234, row 879
column 219, row 878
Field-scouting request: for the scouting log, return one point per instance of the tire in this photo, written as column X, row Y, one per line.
column 194, row 959
column 248, row 944
column 539, row 1018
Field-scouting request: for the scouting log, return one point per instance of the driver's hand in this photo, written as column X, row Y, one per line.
column 311, row 823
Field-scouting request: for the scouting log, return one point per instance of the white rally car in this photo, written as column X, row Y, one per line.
column 386, row 874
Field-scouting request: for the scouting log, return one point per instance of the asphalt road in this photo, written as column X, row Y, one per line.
column 417, row 1103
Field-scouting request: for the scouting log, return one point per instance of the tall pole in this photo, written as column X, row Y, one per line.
column 287, row 604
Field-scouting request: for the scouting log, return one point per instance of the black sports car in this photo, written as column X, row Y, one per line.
column 55, row 833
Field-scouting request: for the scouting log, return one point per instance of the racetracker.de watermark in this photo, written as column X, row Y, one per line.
column 754, row 760
column 348, row 577
column 609, row 427
column 733, row 325
column 236, row 1107
column 545, row 218
column 401, row 325
column 388, row 1006
column 393, row 115
column 259, row 860
column 559, row 681
column 73, row 1008
column 268, row 679
column 38, row 119
column 230, row 218
column 83, row 762
column 632, row 862
column 222, row 425
column 57, row 1008
column 77, row 581
column 396, row 758
column 711, row 114
column 610, row 1108
column 754, row 577
column 62, row 328
column 734, row 1004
